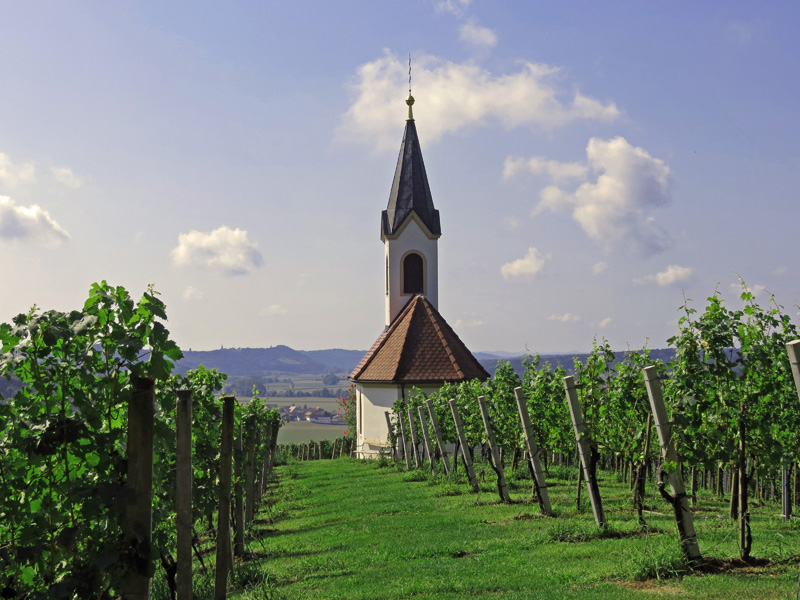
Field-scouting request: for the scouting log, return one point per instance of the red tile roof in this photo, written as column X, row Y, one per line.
column 418, row 347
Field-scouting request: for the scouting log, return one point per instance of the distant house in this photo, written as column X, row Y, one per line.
column 417, row 348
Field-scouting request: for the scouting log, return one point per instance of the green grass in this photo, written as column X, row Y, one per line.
column 349, row 529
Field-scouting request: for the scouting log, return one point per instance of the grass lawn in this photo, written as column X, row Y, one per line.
column 351, row 529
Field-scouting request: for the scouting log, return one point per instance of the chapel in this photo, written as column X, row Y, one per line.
column 417, row 347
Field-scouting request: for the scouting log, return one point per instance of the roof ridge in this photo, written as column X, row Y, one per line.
column 379, row 343
column 419, row 347
column 442, row 339
column 411, row 308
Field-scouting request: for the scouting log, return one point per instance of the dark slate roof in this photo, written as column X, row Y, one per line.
column 418, row 347
column 410, row 189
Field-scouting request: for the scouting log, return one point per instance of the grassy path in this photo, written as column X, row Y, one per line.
column 348, row 529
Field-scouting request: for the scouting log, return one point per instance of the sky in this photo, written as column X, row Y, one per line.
column 593, row 163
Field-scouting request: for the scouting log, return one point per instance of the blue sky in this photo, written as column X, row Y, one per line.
column 591, row 162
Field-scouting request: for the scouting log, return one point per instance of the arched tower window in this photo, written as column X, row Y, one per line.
column 413, row 274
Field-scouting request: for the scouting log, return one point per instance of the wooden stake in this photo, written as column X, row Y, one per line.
column 533, row 451
column 424, row 426
column 183, row 493
column 392, row 436
column 414, row 440
column 502, row 486
column 466, row 454
column 438, row 434
column 224, row 515
column 404, row 445
column 139, row 513
column 678, row 500
column 261, row 468
column 586, row 451
column 238, row 499
column 250, row 473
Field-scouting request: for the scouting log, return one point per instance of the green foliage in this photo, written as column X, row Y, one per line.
column 62, row 439
column 731, row 392
column 347, row 410
column 544, row 389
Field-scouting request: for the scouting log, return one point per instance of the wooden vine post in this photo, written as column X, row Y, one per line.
column 533, row 450
column 224, row 516
column 465, row 452
column 414, row 439
column 276, row 425
column 250, row 472
column 437, row 432
column 424, row 426
column 392, row 437
column 793, row 349
column 238, row 496
column 586, row 452
column 502, row 486
column 404, row 445
column 139, row 513
column 640, row 474
column 262, row 468
column 183, row 494
column 678, row 500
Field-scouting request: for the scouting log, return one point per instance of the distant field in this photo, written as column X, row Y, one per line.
column 307, row 383
column 303, row 431
column 328, row 404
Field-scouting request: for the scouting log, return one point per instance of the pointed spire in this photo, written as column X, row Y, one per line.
column 410, row 189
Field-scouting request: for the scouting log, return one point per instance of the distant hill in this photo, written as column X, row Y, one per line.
column 237, row 362
column 243, row 362
column 566, row 360
column 336, row 360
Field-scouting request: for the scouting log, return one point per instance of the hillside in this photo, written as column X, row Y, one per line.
column 567, row 360
column 238, row 362
column 278, row 360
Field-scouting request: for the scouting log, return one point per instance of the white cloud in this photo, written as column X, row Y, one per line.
column 605, row 323
column 224, row 249
column 454, row 7
column 671, row 275
column 468, row 323
column 557, row 171
column 29, row 223
column 512, row 223
column 12, row 175
column 615, row 209
column 451, row 96
column 565, row 318
column 192, row 293
column 65, row 176
column 599, row 268
column 273, row 310
column 477, row 35
column 526, row 267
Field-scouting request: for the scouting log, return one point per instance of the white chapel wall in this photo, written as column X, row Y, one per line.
column 374, row 399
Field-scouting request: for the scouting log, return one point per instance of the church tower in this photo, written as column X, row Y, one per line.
column 410, row 229
column 417, row 348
